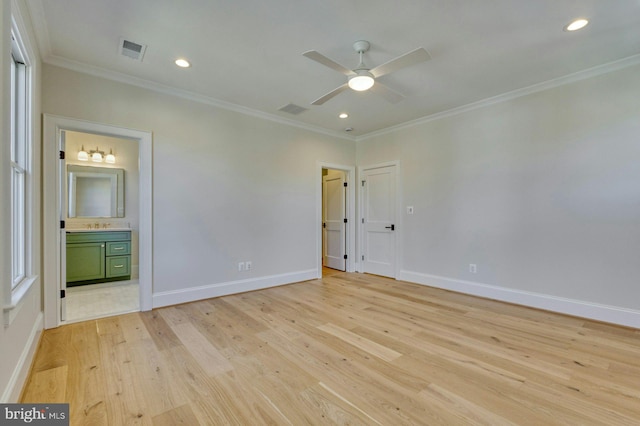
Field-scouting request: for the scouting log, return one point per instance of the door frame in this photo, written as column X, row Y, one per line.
column 398, row 208
column 350, row 172
column 52, row 127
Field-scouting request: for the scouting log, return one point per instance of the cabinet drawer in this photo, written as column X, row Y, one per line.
column 118, row 248
column 118, row 266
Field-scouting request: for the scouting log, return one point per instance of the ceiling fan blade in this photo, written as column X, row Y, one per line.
column 387, row 93
column 330, row 95
column 320, row 58
column 406, row 60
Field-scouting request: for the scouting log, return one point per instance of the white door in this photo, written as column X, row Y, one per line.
column 334, row 215
column 379, row 221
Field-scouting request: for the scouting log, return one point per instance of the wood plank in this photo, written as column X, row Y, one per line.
column 48, row 385
column 209, row 358
column 367, row 345
column 182, row 415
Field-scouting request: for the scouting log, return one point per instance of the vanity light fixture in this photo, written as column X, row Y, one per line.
column 83, row 155
column 576, row 24
column 96, row 156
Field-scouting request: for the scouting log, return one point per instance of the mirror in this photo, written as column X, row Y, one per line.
column 95, row 191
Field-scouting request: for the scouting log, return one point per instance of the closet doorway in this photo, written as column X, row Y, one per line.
column 336, row 218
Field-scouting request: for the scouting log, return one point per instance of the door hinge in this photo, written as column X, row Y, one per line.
column 363, row 182
column 62, row 224
column 62, row 155
column 345, row 184
column 363, row 257
column 345, row 257
column 363, row 220
column 324, row 225
column 345, row 220
column 63, row 294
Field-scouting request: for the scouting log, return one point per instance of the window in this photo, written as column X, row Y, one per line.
column 23, row 179
column 19, row 165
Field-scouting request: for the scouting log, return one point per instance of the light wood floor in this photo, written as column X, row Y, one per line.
column 347, row 349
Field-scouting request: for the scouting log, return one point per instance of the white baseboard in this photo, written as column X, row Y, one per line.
column 578, row 308
column 191, row 294
column 12, row 392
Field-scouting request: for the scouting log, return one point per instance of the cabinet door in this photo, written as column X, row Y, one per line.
column 85, row 261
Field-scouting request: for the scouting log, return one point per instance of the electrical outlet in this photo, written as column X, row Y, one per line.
column 240, row 266
column 247, row 265
column 473, row 268
column 409, row 209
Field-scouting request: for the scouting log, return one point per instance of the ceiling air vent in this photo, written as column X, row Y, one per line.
column 292, row 109
column 132, row 50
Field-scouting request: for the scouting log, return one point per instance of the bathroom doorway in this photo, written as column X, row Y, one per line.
column 55, row 210
column 101, row 276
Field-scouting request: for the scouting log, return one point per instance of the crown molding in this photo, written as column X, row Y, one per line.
column 514, row 94
column 40, row 28
column 185, row 94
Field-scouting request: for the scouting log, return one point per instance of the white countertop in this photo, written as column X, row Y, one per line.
column 96, row 230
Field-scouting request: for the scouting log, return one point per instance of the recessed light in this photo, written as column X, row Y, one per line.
column 343, row 115
column 576, row 24
column 182, row 63
column 349, row 129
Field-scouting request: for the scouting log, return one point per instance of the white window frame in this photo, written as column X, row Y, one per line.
column 22, row 180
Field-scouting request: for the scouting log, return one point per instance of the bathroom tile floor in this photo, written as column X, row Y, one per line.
column 102, row 300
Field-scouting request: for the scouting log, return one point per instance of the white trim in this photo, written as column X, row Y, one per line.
column 52, row 127
column 185, row 94
column 350, row 178
column 11, row 393
column 563, row 305
column 191, row 294
column 514, row 94
column 18, row 295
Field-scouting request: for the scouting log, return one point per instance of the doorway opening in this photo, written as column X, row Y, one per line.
column 101, row 202
column 59, row 132
column 336, row 218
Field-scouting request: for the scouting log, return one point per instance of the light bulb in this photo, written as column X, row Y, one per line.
column 82, row 155
column 110, row 158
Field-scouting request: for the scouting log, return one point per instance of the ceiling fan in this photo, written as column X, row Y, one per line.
column 363, row 78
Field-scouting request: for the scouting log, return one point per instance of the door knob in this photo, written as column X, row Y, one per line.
column 392, row 227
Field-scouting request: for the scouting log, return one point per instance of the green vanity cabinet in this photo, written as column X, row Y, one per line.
column 96, row 257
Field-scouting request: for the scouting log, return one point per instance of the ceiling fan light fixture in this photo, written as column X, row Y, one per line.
column 361, row 81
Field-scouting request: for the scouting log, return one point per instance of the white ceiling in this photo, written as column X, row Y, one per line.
column 247, row 54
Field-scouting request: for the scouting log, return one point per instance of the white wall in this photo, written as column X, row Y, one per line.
column 19, row 339
column 126, row 152
column 541, row 192
column 228, row 187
